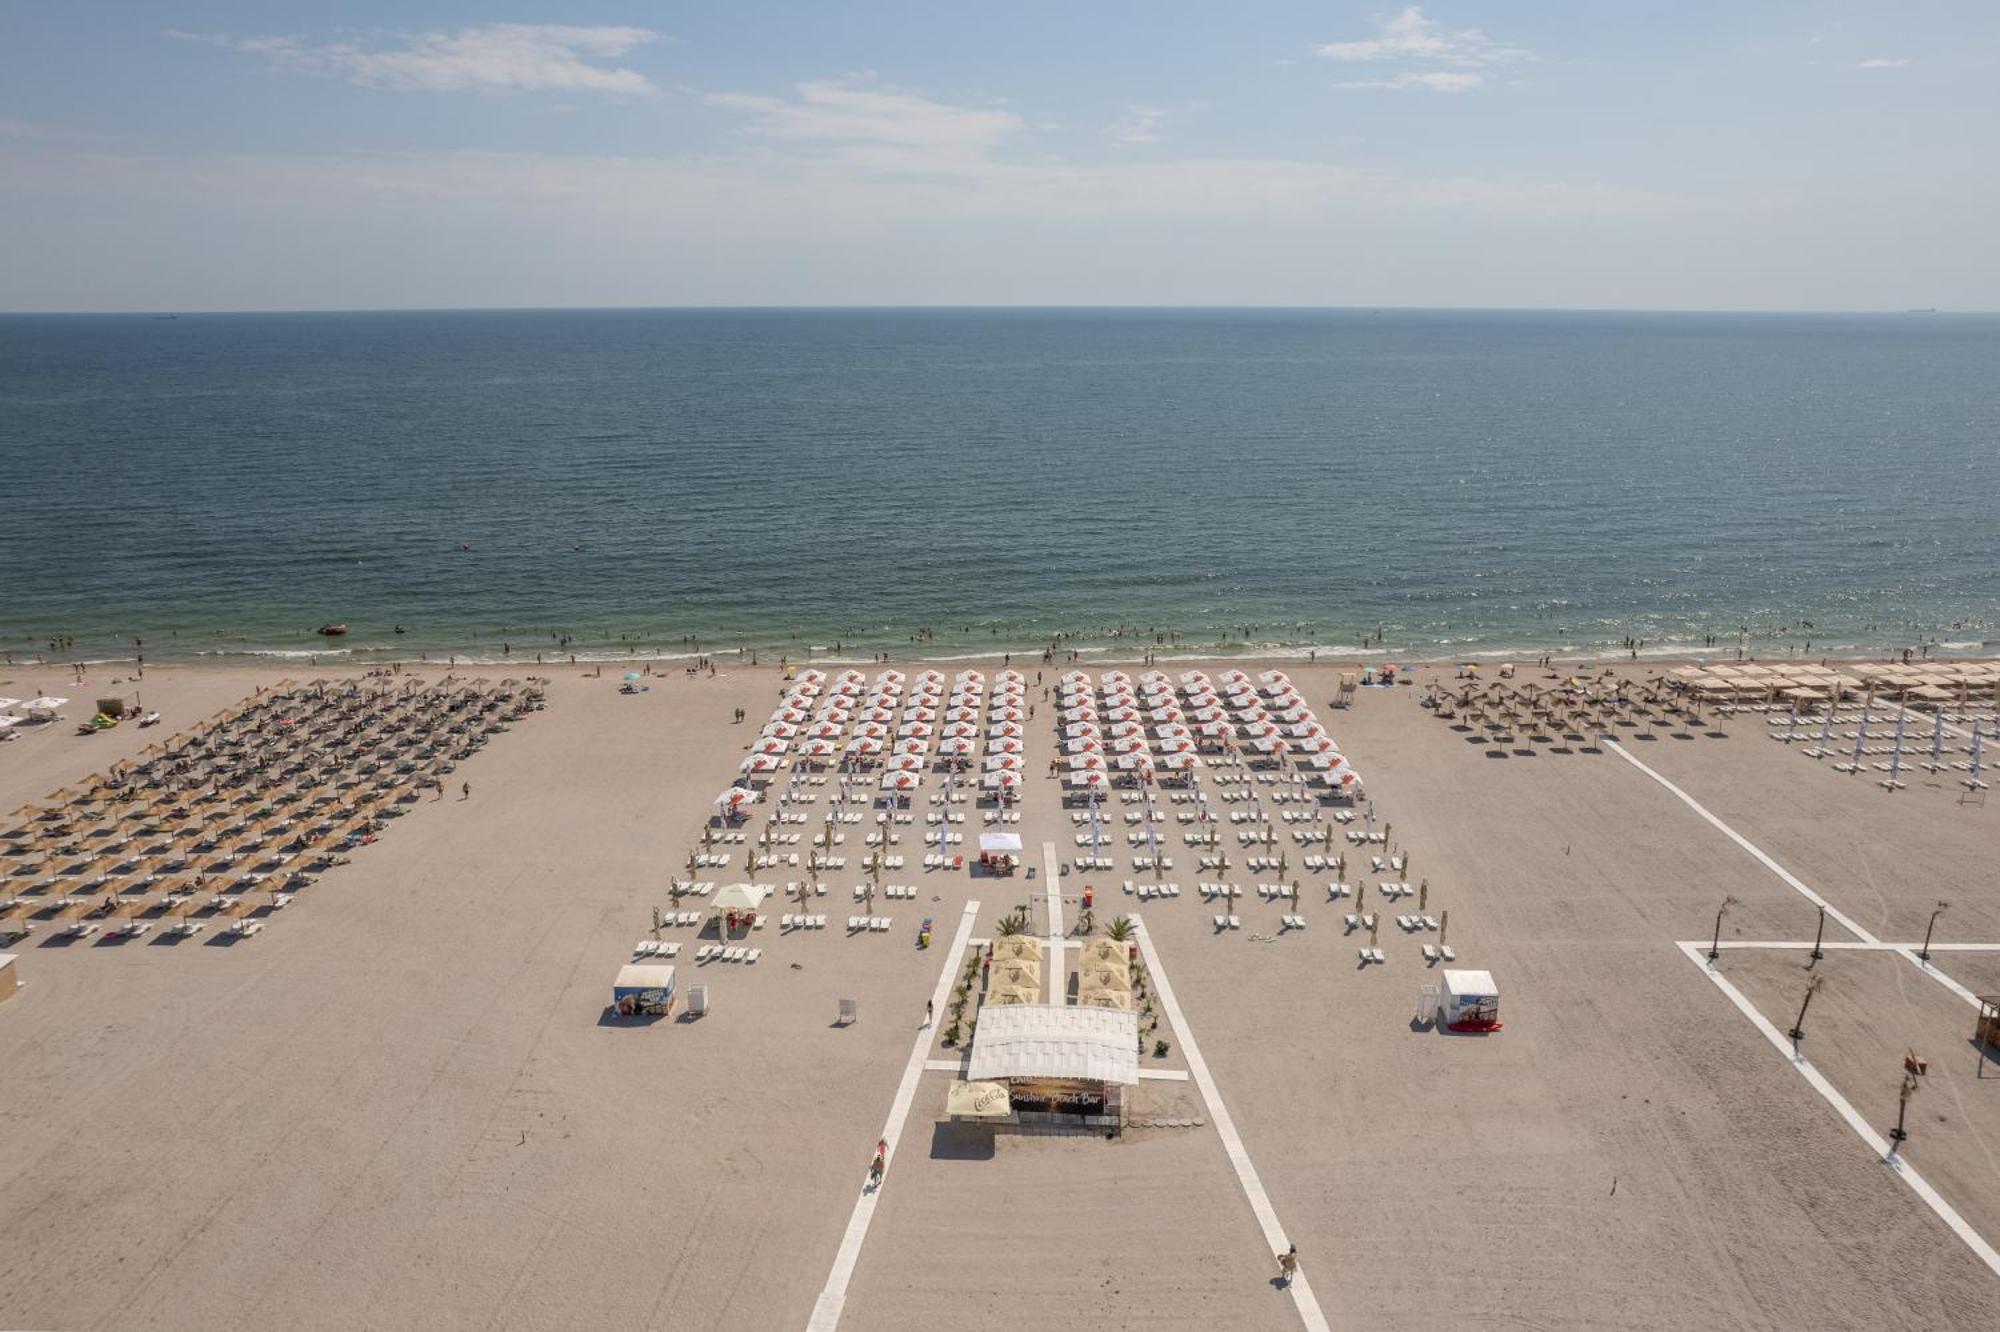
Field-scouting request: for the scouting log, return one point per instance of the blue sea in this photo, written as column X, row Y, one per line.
column 934, row 483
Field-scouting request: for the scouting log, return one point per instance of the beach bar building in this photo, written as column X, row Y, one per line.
column 644, row 988
column 1061, row 1065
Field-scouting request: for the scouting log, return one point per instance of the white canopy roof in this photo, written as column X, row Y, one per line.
column 739, row 897
column 1056, row 1041
column 644, row 976
column 1458, row 984
column 997, row 842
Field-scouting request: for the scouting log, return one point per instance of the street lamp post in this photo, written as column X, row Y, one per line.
column 1715, row 946
column 1909, row 1089
column 1798, row 1030
column 1925, row 951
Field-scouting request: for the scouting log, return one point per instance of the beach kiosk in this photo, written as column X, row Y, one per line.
column 644, row 988
column 1469, row 1002
column 1060, row 1064
column 1986, row 1033
column 1000, row 852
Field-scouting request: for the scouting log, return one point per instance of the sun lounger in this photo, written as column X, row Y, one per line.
column 752, row 954
column 1430, row 953
column 1221, row 923
column 849, row 1013
column 733, row 953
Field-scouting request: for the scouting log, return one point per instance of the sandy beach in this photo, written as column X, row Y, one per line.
column 406, row 1105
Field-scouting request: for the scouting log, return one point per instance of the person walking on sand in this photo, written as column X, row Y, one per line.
column 930, row 1011
column 880, row 1165
column 1288, row 1265
column 465, row 791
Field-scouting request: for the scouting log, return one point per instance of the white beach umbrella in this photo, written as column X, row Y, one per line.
column 959, row 730
column 1005, row 729
column 954, row 746
column 818, row 749
column 1004, row 762
column 1080, row 730
column 1083, row 745
column 905, row 762
column 1006, row 744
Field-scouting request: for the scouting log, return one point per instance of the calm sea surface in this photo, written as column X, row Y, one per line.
column 1464, row 482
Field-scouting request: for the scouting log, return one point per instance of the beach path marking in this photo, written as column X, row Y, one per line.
column 1853, row 927
column 833, row 1296
column 1225, row 1127
column 1757, row 852
column 1052, row 885
column 1880, row 1145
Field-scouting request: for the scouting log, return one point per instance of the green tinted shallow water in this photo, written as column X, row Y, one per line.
column 633, row 480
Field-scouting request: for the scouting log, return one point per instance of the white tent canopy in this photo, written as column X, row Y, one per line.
column 739, row 897
column 1056, row 1041
column 1000, row 843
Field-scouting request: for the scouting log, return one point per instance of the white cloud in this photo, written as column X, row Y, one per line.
column 874, row 124
column 1447, row 81
column 1140, row 124
column 1882, row 62
column 1408, row 35
column 495, row 58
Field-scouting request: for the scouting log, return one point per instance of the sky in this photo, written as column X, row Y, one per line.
column 209, row 155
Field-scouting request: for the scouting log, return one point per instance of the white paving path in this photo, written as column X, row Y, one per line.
column 833, row 1296
column 1906, row 952
column 1239, row 1156
column 1058, row 961
column 1880, row 1145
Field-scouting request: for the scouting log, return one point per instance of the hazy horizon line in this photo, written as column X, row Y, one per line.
column 975, row 307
